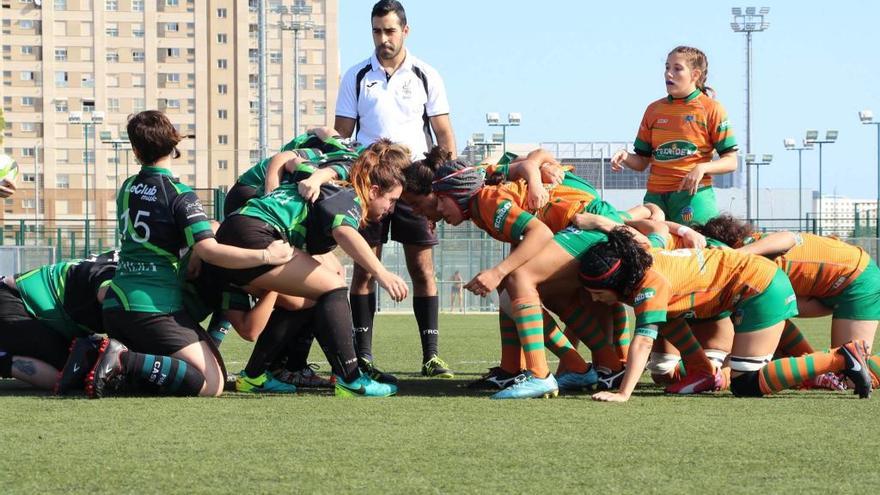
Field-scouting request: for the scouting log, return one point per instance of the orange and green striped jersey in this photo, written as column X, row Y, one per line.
column 501, row 210
column 678, row 133
column 820, row 266
column 698, row 283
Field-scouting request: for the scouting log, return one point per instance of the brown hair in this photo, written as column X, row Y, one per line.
column 420, row 174
column 382, row 165
column 152, row 136
column 696, row 60
column 727, row 229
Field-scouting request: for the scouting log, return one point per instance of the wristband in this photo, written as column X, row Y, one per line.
column 683, row 230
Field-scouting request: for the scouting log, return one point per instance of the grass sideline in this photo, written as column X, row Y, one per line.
column 437, row 437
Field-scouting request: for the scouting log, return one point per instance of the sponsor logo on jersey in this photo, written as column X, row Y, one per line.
column 147, row 192
column 643, row 296
column 662, row 121
column 501, row 214
column 839, row 282
column 674, row 150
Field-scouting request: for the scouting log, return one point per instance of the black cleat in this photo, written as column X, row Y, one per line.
column 368, row 368
column 80, row 360
column 495, row 379
column 855, row 354
column 106, row 376
column 609, row 380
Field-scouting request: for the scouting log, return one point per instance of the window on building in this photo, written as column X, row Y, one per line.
column 137, row 30
column 254, row 55
column 25, row 24
column 172, row 52
column 62, row 181
column 137, row 80
column 60, row 79
column 320, row 82
column 222, row 63
column 320, row 33
column 221, row 13
column 60, row 54
column 60, row 4
column 27, row 101
column 27, row 50
column 172, row 103
column 61, row 155
column 30, row 128
column 112, row 104
column 137, row 5
column 111, row 29
column 222, row 89
column 87, row 80
column 112, row 80
column 138, row 104
column 275, row 57
column 112, row 56
column 85, row 28
column 222, row 114
column 85, row 54
column 221, row 38
column 172, row 27
column 223, row 164
column 61, row 106
column 173, row 77
column 303, row 81
column 172, row 3
column 320, row 108
column 222, row 139
column 27, row 75
column 137, row 55
column 111, row 5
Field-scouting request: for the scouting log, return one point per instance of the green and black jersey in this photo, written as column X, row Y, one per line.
column 303, row 225
column 319, row 153
column 207, row 295
column 158, row 217
column 64, row 296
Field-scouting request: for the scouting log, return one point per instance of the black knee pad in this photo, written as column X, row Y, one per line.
column 746, row 385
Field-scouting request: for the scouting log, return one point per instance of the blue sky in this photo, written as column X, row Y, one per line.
column 585, row 71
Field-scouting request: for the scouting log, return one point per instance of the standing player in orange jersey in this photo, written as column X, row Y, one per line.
column 677, row 137
column 664, row 285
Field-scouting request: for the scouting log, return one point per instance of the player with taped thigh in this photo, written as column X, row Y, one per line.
column 663, row 285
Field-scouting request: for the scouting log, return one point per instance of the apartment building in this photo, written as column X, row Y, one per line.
column 195, row 60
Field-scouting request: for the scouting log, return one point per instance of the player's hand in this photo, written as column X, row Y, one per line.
column 692, row 238
column 537, row 197
column 485, row 282
column 193, row 267
column 309, row 189
column 551, row 173
column 691, row 181
column 279, row 253
column 610, row 397
column 7, row 188
column 618, row 161
column 291, row 165
column 394, row 285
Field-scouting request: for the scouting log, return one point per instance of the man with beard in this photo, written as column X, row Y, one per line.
column 394, row 95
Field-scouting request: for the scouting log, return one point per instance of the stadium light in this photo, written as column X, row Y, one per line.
column 296, row 18
column 514, row 119
column 813, row 138
column 478, row 139
column 752, row 160
column 791, row 145
column 751, row 21
column 867, row 118
column 95, row 118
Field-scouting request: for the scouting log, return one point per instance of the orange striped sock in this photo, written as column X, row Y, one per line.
column 874, row 370
column 622, row 332
column 510, row 350
column 530, row 329
column 792, row 371
column 679, row 334
column 559, row 345
column 793, row 342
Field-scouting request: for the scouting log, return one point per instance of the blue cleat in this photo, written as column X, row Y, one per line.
column 528, row 386
column 263, row 384
column 364, row 386
column 570, row 380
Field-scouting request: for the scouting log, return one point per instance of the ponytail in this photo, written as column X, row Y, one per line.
column 697, row 60
column 420, row 174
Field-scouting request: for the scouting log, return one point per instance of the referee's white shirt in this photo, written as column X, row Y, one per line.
column 396, row 107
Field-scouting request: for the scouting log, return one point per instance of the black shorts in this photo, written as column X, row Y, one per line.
column 162, row 334
column 23, row 335
column 249, row 233
column 405, row 226
column 237, row 197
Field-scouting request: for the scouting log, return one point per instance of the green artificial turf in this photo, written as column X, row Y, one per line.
column 437, row 437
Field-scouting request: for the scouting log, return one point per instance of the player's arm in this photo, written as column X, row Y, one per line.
column 636, row 361
column 355, row 246
column 632, row 161
column 646, row 211
column 275, row 169
column 232, row 257
column 7, row 188
column 249, row 324
column 442, row 127
column 692, row 238
column 344, row 125
column 536, row 235
column 771, row 245
column 591, row 221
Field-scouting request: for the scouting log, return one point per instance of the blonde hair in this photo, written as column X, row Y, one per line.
column 381, row 165
column 696, row 60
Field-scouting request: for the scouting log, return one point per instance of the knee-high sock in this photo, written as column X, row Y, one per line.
column 589, row 330
column 622, row 332
column 679, row 334
column 282, row 326
column 363, row 308
column 427, row 309
column 874, row 370
column 512, row 360
column 163, row 375
column 218, row 328
column 530, row 330
column 793, row 342
column 333, row 331
column 559, row 345
column 298, row 349
column 792, row 371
